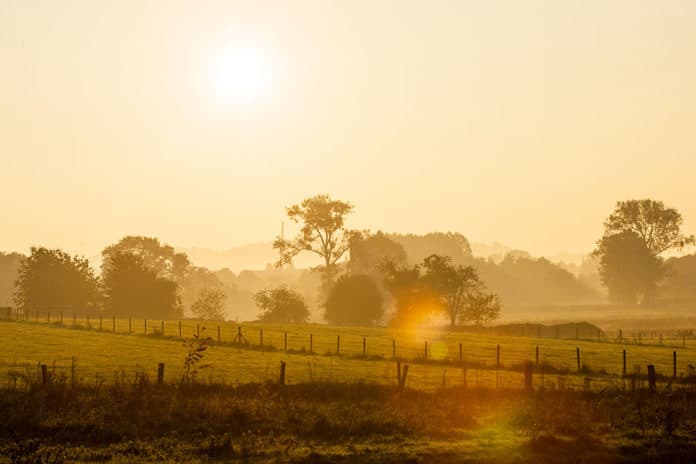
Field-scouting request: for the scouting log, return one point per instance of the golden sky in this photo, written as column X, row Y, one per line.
column 513, row 121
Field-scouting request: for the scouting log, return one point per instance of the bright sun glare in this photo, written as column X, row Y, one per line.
column 241, row 75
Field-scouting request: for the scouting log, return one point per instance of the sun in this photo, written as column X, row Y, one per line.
column 241, row 75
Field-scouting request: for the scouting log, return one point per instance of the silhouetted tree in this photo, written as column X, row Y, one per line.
column 162, row 259
column 323, row 233
column 657, row 226
column 281, row 305
column 481, row 307
column 210, row 305
column 9, row 271
column 455, row 285
column 419, row 247
column 354, row 300
column 414, row 300
column 52, row 279
column 369, row 251
column 627, row 267
column 132, row 288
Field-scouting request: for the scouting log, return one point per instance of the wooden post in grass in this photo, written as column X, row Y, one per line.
column 282, row 373
column 261, row 336
column 537, row 355
column 460, row 352
column 393, row 348
column 74, row 319
column 61, row 318
column 145, row 326
column 402, row 380
column 48, row 317
column 37, row 317
column 624, row 363
column 444, row 378
column 577, row 355
column 113, row 322
column 620, row 336
column 652, row 384
column 674, row 364
column 311, row 343
column 528, row 369
column 160, row 373
column 338, row 344
column 130, row 326
column 44, row 374
column 179, row 329
column 285, row 342
column 162, row 329
column 497, row 355
column 101, row 322
column 218, row 333
column 88, row 326
column 364, row 346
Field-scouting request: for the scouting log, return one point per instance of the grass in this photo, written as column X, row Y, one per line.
column 103, row 355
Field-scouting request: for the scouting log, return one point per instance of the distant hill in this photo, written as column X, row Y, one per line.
column 257, row 256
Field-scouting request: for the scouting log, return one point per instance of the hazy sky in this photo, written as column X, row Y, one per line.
column 520, row 122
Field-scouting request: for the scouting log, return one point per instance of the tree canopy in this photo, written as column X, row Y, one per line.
column 210, row 305
column 323, row 233
column 369, row 251
column 162, row 259
column 354, row 300
column 281, row 305
column 455, row 285
column 54, row 280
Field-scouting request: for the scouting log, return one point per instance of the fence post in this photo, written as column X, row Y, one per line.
column 162, row 328
column 620, row 336
column 537, row 355
column 37, row 317
column 425, row 353
column 218, row 333
column 404, row 374
column 61, row 318
column 393, row 348
column 285, row 342
column 311, row 343
column 74, row 319
column 338, row 344
column 179, row 329
column 88, row 326
column 364, row 346
column 44, row 374
column 130, row 326
column 624, row 363
column 674, row 364
column 261, row 336
column 528, row 376
column 460, row 352
column 160, row 373
column 113, row 328
column 101, row 322
column 577, row 355
column 145, row 326
column 651, row 377
column 497, row 355
column 282, row 373
column 48, row 317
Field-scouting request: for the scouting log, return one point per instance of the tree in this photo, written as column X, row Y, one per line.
column 162, row 259
column 481, row 307
column 52, row 279
column 210, row 305
column 322, row 233
column 134, row 289
column 354, row 300
column 657, row 226
column 9, row 268
column 419, row 247
column 413, row 299
column 455, row 285
column 369, row 251
column 281, row 305
column 627, row 267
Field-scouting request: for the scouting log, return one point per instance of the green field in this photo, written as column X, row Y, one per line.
column 103, row 355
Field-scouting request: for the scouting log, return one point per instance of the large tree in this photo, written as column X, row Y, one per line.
column 9, row 268
column 210, row 305
column 455, row 285
column 628, row 268
column 281, row 305
column 657, row 226
column 323, row 233
column 134, row 289
column 369, row 251
column 161, row 258
column 414, row 300
column 54, row 280
column 354, row 300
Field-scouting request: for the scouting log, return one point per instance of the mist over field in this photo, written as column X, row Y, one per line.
column 347, row 231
